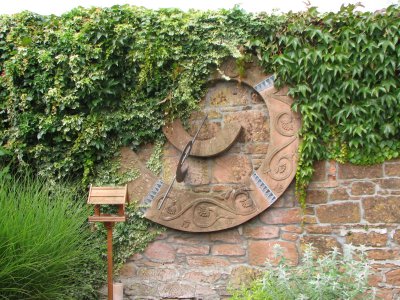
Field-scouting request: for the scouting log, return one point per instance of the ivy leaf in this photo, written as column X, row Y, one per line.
column 389, row 129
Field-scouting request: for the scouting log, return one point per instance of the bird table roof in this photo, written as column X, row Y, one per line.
column 108, row 195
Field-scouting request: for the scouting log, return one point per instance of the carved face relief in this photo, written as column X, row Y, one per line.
column 242, row 161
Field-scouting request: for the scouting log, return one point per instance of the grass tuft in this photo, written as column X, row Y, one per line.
column 44, row 241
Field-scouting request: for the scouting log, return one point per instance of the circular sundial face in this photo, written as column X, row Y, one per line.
column 238, row 125
column 242, row 159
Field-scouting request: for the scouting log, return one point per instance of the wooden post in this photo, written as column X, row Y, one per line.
column 97, row 210
column 109, row 226
column 108, row 195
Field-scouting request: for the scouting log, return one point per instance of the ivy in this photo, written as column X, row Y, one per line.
column 133, row 235
column 109, row 173
column 154, row 163
column 75, row 88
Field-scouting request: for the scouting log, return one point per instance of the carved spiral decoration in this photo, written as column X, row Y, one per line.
column 284, row 124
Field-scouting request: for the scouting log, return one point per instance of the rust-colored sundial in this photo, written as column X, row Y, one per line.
column 236, row 184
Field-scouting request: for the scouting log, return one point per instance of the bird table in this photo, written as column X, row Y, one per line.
column 114, row 196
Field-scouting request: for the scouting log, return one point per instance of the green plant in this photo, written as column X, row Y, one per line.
column 330, row 277
column 155, row 161
column 4, row 168
column 75, row 88
column 45, row 245
column 108, row 173
column 133, row 235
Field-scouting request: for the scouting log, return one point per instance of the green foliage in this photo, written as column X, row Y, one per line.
column 331, row 277
column 133, row 235
column 342, row 69
column 4, row 168
column 74, row 88
column 45, row 245
column 155, row 161
column 109, row 173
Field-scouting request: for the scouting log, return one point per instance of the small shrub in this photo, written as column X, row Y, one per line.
column 331, row 277
column 45, row 248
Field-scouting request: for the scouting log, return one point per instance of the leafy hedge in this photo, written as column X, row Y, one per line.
column 76, row 87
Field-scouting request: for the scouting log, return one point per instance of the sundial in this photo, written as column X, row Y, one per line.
column 240, row 193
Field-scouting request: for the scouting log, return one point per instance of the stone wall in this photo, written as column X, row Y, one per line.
column 346, row 205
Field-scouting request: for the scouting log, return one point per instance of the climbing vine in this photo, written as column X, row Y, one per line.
column 74, row 88
column 154, row 163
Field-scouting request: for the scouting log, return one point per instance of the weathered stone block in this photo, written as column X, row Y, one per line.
column 349, row 171
column 373, row 239
column 196, row 276
column 322, row 244
column 317, row 196
column 393, row 277
column 382, row 209
column 281, row 216
column 177, row 290
column 374, row 279
column 160, row 252
column 206, row 292
column 141, row 289
column 383, row 254
column 392, row 169
column 254, row 123
column 289, row 236
column 185, row 238
column 156, row 274
column 193, row 250
column 243, row 275
column 292, row 228
column 261, row 232
column 226, row 236
column 236, row 260
column 363, row 188
column 214, row 114
column 339, row 193
column 260, row 251
column 339, row 213
column 390, row 183
column 206, row 261
column 319, row 229
column 227, row 250
column 225, row 94
column 309, row 220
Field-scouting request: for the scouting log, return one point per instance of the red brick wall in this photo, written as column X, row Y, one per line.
column 346, row 205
